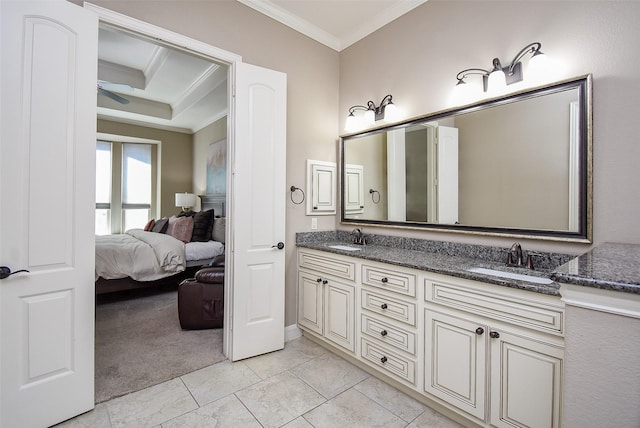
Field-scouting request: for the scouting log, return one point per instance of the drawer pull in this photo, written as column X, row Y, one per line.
column 383, row 359
column 494, row 335
column 385, row 280
column 479, row 331
column 383, row 333
column 384, row 306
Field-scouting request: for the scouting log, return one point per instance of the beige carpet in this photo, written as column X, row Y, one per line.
column 139, row 342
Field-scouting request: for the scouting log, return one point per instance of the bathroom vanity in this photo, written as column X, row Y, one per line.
column 448, row 323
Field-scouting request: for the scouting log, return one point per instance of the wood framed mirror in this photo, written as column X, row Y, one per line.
column 518, row 165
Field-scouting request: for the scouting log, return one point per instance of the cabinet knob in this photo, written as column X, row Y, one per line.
column 383, row 333
column 494, row 335
column 319, row 280
column 383, row 359
column 385, row 280
column 324, row 282
column 479, row 331
column 384, row 306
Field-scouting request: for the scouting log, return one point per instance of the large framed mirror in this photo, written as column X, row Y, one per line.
column 518, row 165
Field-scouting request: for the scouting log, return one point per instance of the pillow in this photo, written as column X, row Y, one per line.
column 182, row 229
column 149, row 225
column 172, row 222
column 219, row 228
column 160, row 225
column 202, row 226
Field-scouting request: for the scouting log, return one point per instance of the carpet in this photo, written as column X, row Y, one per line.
column 139, row 342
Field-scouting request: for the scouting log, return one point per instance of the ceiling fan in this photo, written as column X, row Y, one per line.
column 105, row 88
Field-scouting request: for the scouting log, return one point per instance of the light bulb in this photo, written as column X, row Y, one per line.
column 369, row 118
column 351, row 124
column 538, row 67
column 391, row 113
column 497, row 82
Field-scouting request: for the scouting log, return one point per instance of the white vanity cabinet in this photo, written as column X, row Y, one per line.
column 326, row 297
column 388, row 324
column 490, row 353
column 494, row 353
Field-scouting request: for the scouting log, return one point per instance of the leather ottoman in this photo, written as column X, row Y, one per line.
column 201, row 300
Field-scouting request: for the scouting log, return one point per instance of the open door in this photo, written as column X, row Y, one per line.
column 47, row 210
column 257, row 206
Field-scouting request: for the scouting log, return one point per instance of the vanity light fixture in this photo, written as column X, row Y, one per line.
column 386, row 111
column 499, row 77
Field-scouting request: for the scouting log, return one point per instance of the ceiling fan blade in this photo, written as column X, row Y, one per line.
column 118, row 87
column 113, row 96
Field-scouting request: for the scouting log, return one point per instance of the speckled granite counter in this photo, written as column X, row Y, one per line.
column 446, row 258
column 608, row 266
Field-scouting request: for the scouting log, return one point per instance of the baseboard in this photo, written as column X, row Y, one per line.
column 292, row 332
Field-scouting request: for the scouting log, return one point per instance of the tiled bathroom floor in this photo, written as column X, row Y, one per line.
column 303, row 385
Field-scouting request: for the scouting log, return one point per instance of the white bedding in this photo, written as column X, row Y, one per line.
column 147, row 256
column 203, row 250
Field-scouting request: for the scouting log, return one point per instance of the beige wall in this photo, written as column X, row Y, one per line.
column 201, row 140
column 514, row 159
column 417, row 57
column 175, row 159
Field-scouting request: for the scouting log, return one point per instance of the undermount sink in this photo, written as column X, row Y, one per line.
column 345, row 247
column 511, row 275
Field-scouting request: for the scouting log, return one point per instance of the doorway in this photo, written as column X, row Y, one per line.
column 138, row 341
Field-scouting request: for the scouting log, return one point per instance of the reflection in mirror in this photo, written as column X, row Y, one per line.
column 519, row 164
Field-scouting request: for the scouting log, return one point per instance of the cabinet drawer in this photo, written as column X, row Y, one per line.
column 386, row 333
column 389, row 362
column 327, row 265
column 387, row 279
column 540, row 312
column 389, row 307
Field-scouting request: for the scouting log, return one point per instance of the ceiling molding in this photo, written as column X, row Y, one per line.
column 301, row 25
column 379, row 21
column 361, row 30
column 116, row 73
column 199, row 89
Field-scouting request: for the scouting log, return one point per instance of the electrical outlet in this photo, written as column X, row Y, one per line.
column 314, row 223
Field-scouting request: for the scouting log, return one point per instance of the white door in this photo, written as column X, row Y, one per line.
column 257, row 205
column 47, row 211
column 447, row 175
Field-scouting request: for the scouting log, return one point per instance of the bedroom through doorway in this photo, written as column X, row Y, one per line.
column 176, row 102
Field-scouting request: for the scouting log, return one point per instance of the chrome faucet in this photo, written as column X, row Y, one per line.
column 517, row 249
column 358, row 237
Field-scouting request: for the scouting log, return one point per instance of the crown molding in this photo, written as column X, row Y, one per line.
column 303, row 26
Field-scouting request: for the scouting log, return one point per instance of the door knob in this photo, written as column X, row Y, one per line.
column 5, row 272
column 279, row 245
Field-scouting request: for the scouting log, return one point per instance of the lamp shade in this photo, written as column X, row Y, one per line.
column 185, row 200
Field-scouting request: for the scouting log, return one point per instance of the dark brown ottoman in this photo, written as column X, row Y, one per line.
column 201, row 300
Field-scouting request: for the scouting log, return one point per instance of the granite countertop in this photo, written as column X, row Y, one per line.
column 608, row 266
column 438, row 257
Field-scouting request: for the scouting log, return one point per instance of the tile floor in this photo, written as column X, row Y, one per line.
column 303, row 385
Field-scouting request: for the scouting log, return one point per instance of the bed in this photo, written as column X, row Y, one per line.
column 165, row 252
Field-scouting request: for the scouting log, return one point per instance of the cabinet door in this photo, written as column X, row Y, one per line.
column 525, row 382
column 353, row 198
column 321, row 187
column 455, row 359
column 339, row 312
column 310, row 314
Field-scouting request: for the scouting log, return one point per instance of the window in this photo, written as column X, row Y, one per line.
column 124, row 186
